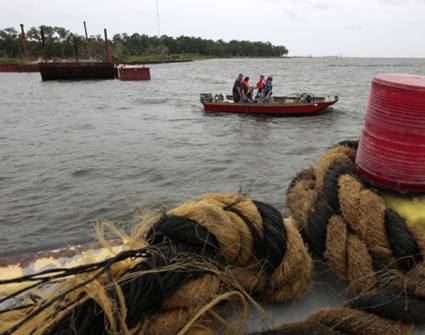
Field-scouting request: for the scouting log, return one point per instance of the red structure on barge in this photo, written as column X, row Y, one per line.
column 134, row 73
column 76, row 70
column 19, row 68
column 8, row 67
column 25, row 67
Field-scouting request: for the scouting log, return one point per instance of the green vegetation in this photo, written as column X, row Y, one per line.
column 160, row 58
column 60, row 44
column 4, row 60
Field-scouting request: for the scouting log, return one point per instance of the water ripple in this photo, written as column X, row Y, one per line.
column 74, row 153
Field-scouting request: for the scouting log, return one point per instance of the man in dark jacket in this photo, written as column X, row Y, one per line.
column 238, row 91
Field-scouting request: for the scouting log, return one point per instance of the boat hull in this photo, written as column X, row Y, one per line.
column 288, row 105
column 275, row 109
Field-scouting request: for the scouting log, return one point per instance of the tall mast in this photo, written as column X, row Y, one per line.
column 157, row 18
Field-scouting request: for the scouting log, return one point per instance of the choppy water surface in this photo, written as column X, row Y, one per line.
column 72, row 153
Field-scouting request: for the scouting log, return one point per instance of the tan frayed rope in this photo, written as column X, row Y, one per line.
column 235, row 272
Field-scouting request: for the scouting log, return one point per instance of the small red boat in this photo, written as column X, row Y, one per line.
column 299, row 104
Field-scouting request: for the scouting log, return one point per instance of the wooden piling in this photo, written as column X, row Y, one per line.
column 43, row 42
column 87, row 41
column 76, row 51
column 108, row 48
column 24, row 45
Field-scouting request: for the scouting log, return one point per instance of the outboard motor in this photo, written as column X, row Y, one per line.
column 305, row 98
column 309, row 98
column 206, row 97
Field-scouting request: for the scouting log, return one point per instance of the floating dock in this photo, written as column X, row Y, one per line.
column 77, row 71
column 8, row 67
column 19, row 68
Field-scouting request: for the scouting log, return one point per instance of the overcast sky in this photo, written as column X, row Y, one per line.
column 366, row 28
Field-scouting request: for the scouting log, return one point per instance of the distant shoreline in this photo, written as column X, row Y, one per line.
column 158, row 62
column 159, row 59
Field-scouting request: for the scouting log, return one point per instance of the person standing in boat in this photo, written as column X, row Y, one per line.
column 247, row 89
column 267, row 91
column 268, row 87
column 238, row 90
column 260, row 86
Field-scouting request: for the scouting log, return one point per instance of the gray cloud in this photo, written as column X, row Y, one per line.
column 317, row 4
column 306, row 4
column 306, row 27
column 292, row 14
column 402, row 2
column 354, row 27
column 299, row 10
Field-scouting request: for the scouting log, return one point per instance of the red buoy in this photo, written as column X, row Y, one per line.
column 391, row 151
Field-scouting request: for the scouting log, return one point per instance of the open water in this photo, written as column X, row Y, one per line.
column 72, row 153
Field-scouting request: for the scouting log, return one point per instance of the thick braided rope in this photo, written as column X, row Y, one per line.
column 341, row 321
column 368, row 245
column 222, row 247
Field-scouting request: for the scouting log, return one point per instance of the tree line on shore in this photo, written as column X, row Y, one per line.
column 60, row 43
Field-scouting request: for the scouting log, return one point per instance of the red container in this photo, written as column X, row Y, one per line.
column 8, row 67
column 134, row 73
column 391, row 151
